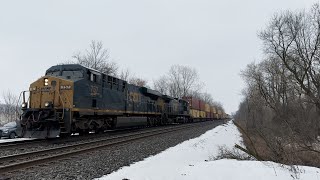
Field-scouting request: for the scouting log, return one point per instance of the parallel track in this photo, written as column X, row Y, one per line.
column 23, row 160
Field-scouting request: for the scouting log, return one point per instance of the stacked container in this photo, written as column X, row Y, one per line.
column 207, row 110
column 220, row 114
column 212, row 112
column 202, row 105
column 202, row 109
column 194, row 104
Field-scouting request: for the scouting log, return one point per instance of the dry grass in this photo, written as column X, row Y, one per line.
column 280, row 152
column 225, row 153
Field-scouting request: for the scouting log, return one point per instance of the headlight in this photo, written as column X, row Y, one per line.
column 6, row 131
column 47, row 104
column 24, row 105
column 46, row 81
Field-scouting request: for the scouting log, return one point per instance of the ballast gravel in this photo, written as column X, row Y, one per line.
column 106, row 160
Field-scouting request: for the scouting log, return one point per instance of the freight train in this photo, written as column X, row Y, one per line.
column 75, row 99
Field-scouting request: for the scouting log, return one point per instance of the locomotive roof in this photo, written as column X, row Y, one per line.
column 67, row 67
column 76, row 67
column 73, row 67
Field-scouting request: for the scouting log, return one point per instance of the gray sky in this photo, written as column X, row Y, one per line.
column 218, row 38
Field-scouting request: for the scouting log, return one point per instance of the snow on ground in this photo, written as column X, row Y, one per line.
column 192, row 160
column 5, row 140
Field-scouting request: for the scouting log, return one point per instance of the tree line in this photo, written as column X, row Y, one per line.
column 280, row 111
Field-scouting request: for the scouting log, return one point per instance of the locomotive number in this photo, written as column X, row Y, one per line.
column 65, row 87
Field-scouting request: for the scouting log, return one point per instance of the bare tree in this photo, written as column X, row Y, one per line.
column 9, row 107
column 207, row 98
column 128, row 76
column 184, row 79
column 125, row 74
column 161, row 85
column 97, row 57
column 137, row 81
column 218, row 106
column 294, row 38
column 195, row 94
column 180, row 81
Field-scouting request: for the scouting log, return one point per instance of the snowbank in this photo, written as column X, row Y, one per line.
column 191, row 160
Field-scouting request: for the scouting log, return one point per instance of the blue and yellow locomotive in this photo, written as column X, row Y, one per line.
column 76, row 99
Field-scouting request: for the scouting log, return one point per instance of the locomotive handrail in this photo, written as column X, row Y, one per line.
column 24, row 101
column 62, row 105
column 68, row 100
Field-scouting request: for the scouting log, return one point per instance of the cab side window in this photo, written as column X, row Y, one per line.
column 93, row 77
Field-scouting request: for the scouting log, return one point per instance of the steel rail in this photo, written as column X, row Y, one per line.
column 83, row 148
column 16, row 144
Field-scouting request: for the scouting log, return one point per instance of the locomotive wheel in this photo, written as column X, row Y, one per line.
column 99, row 131
column 83, row 132
column 63, row 135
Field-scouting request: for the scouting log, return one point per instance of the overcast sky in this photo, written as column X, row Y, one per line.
column 218, row 38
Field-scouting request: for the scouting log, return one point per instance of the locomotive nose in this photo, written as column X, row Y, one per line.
column 51, row 92
column 46, row 116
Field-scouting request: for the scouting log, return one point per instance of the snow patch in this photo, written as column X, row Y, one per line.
column 190, row 160
column 15, row 140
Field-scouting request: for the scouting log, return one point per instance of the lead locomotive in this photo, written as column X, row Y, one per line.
column 75, row 99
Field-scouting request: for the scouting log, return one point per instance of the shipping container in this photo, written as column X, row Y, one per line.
column 192, row 113
column 207, row 114
column 213, row 110
column 202, row 114
column 207, row 108
column 202, row 105
column 195, row 113
column 193, row 102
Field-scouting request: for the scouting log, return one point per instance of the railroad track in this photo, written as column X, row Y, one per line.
column 24, row 160
column 21, row 144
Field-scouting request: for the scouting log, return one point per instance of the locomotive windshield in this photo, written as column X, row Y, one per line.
column 73, row 74
column 53, row 73
column 67, row 74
